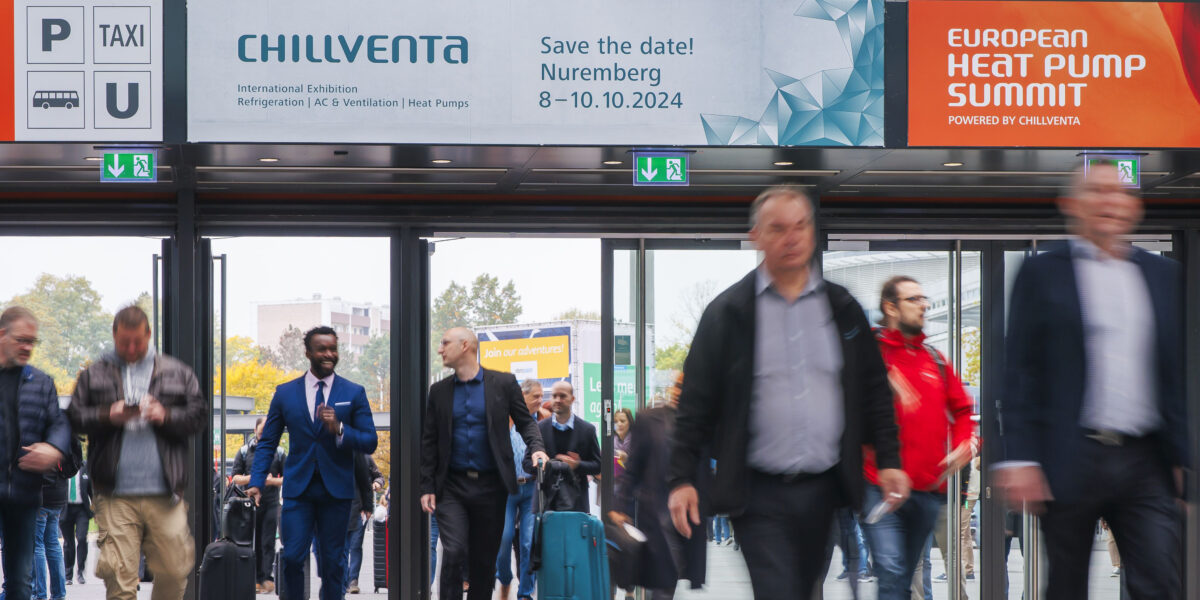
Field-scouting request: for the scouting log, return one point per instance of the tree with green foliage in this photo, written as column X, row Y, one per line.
column 670, row 358
column 73, row 328
column 486, row 302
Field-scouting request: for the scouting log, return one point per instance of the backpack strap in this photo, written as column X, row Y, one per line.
column 941, row 365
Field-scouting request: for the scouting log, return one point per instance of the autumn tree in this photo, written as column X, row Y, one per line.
column 485, row 302
column 73, row 327
column 670, row 358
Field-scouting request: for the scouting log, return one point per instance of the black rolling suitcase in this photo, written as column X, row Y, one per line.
column 281, row 585
column 227, row 570
column 381, row 545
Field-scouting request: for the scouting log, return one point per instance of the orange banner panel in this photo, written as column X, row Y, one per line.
column 1054, row 74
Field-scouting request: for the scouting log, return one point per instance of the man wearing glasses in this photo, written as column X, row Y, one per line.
column 931, row 407
column 34, row 437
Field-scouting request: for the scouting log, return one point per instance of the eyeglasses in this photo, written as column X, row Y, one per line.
column 914, row 299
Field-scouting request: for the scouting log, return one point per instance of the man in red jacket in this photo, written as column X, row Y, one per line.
column 931, row 408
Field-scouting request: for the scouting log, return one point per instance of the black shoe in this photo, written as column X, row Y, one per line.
column 81, row 580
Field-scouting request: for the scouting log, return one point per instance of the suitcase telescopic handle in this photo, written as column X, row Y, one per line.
column 540, row 469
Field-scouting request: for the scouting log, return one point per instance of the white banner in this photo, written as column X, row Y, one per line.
column 87, row 70
column 624, row 72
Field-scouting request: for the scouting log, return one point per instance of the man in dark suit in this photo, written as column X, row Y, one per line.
column 329, row 420
column 1093, row 418
column 75, row 522
column 467, row 463
column 785, row 381
column 571, row 440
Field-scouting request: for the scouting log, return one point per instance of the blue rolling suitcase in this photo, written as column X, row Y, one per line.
column 573, row 555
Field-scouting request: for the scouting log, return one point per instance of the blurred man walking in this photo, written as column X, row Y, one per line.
column 784, row 380
column 1093, row 418
column 139, row 410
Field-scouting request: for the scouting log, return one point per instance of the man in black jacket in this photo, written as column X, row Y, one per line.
column 784, row 379
column 34, row 438
column 266, row 518
column 571, row 440
column 75, row 522
column 467, row 464
column 1094, row 418
column 368, row 479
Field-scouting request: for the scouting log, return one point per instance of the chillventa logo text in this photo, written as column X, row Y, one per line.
column 452, row 49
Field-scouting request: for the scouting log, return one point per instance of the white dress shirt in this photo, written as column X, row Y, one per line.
column 310, row 394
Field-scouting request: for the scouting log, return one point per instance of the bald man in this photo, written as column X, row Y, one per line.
column 571, row 440
column 467, row 465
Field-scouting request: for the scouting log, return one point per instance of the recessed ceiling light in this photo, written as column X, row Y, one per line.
column 952, row 164
column 441, row 161
column 783, row 163
column 612, row 162
column 268, row 159
column 96, row 158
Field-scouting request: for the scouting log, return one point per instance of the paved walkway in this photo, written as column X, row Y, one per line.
column 94, row 589
column 728, row 579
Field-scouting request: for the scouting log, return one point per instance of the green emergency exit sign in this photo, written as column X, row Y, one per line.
column 128, row 166
column 1129, row 168
column 660, row 169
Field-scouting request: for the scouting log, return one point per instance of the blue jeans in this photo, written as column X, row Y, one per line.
column 17, row 522
column 47, row 551
column 433, row 536
column 899, row 538
column 927, row 570
column 354, row 544
column 720, row 525
column 520, row 506
column 851, row 541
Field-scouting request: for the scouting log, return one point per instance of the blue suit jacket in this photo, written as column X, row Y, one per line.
column 313, row 446
column 1046, row 366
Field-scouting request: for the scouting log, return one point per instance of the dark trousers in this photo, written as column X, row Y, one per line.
column 266, row 523
column 74, row 526
column 1132, row 489
column 470, row 515
column 783, row 533
column 316, row 510
column 354, row 545
column 18, row 522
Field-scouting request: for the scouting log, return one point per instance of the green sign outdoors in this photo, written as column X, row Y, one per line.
column 128, row 166
column 624, row 391
column 660, row 169
column 1128, row 168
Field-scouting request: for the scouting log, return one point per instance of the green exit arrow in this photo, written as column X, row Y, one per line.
column 660, row 169
column 128, row 166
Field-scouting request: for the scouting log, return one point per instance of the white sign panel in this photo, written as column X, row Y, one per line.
column 85, row 70
column 623, row 72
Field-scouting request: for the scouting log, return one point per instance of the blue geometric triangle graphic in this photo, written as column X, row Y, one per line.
column 833, row 107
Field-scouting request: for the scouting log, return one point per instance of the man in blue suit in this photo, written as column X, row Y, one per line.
column 329, row 420
column 1093, row 420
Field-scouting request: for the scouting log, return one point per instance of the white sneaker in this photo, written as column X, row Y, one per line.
column 1116, row 572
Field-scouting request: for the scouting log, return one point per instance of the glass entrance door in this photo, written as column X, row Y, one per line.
column 264, row 294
